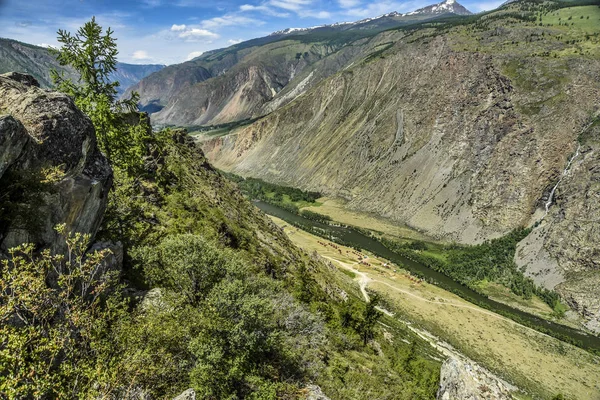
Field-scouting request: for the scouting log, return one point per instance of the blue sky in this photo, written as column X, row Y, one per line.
column 172, row 31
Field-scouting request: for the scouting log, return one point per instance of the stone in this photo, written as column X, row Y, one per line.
column 13, row 138
column 189, row 394
column 314, row 392
column 45, row 132
column 464, row 380
column 114, row 260
column 25, row 79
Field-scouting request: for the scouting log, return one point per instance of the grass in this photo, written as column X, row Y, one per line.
column 348, row 273
column 299, row 204
column 335, row 208
column 500, row 293
column 539, row 364
column 586, row 18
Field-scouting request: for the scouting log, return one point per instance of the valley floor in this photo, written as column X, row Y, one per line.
column 337, row 211
column 538, row 364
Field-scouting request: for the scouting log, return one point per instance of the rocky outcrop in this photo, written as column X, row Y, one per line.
column 314, row 392
column 462, row 380
column 189, row 394
column 52, row 172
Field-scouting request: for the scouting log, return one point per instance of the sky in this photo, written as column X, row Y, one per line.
column 173, row 31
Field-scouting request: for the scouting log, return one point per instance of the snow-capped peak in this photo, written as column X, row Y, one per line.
column 445, row 7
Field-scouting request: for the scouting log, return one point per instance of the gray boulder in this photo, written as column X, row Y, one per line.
column 189, row 394
column 44, row 135
column 464, row 380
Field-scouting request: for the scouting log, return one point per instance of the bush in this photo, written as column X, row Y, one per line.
column 55, row 317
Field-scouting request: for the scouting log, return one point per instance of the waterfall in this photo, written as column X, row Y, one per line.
column 565, row 173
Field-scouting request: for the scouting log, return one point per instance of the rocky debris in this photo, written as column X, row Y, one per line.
column 314, row 392
column 45, row 138
column 462, row 380
column 189, row 394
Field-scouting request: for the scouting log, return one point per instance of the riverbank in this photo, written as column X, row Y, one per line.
column 537, row 363
column 353, row 238
column 386, row 229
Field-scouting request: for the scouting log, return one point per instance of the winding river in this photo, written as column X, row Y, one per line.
column 356, row 238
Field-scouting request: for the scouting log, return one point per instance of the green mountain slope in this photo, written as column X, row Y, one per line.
column 185, row 285
column 37, row 61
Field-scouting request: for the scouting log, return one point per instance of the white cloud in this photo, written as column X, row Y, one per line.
column 177, row 28
column 197, row 33
column 193, row 55
column 264, row 10
column 349, row 3
column 140, row 55
column 234, row 41
column 229, row 20
column 292, row 5
column 49, row 46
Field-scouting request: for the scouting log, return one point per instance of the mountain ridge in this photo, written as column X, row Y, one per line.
column 444, row 7
column 264, row 73
column 38, row 61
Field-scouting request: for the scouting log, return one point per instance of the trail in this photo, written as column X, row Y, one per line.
column 364, row 279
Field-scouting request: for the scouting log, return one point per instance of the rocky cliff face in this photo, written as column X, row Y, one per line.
column 228, row 86
column 427, row 136
column 51, row 170
column 562, row 253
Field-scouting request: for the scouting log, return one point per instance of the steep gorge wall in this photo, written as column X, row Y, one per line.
column 232, row 85
column 438, row 139
column 562, row 253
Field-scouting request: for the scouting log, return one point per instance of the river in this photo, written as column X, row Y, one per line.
column 356, row 238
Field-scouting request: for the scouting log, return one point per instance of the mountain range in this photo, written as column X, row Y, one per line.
column 255, row 77
column 459, row 126
column 37, row 61
column 479, row 135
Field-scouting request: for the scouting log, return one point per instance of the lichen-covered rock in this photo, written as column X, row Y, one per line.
column 51, row 143
column 314, row 392
column 462, row 380
column 13, row 138
column 25, row 79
